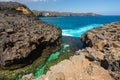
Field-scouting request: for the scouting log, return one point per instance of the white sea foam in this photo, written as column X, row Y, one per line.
column 78, row 32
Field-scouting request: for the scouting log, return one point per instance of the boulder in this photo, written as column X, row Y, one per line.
column 28, row 77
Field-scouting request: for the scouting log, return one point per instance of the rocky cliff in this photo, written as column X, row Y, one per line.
column 55, row 14
column 106, row 41
column 98, row 60
column 24, row 38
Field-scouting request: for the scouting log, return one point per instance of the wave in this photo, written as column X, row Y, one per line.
column 78, row 32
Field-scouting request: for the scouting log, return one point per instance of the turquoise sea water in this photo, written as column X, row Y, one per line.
column 77, row 25
column 40, row 70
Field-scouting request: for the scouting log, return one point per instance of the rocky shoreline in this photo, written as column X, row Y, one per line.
column 98, row 60
column 106, row 40
column 25, row 41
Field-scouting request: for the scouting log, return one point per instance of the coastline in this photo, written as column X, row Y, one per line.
column 36, row 50
column 93, row 61
column 58, row 14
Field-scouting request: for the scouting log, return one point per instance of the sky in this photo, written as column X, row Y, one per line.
column 106, row 7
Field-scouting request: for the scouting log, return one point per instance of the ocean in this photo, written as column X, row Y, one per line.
column 75, row 26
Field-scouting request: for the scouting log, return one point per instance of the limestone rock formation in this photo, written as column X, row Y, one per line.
column 76, row 68
column 105, row 42
column 23, row 37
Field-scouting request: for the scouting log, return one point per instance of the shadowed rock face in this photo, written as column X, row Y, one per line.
column 23, row 37
column 105, row 47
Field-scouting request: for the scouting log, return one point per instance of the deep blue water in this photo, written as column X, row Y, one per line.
column 77, row 25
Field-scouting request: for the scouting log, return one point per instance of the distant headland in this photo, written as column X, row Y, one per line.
column 55, row 14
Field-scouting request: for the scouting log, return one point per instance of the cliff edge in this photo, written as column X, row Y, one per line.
column 24, row 38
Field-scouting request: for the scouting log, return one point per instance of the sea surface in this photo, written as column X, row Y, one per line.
column 75, row 26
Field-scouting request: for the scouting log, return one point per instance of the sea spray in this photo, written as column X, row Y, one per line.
column 78, row 32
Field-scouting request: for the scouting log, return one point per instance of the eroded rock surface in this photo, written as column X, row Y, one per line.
column 23, row 37
column 76, row 68
column 106, row 41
